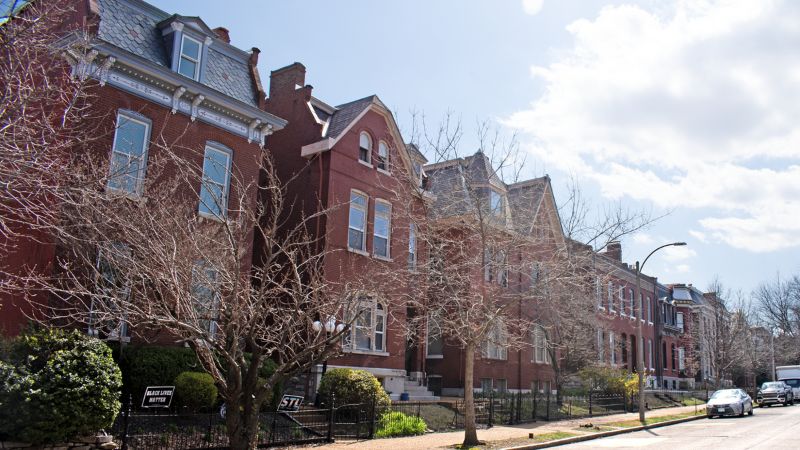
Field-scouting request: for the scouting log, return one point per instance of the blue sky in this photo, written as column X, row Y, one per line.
column 675, row 105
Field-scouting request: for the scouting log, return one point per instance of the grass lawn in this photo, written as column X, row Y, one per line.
column 538, row 438
column 692, row 401
column 652, row 420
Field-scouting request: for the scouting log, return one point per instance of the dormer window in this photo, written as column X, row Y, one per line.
column 189, row 63
column 383, row 156
column 364, row 148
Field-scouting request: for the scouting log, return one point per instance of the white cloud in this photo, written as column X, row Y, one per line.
column 532, row 7
column 675, row 254
column 689, row 106
column 683, row 268
column 643, row 238
column 699, row 235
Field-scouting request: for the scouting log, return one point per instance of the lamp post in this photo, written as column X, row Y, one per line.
column 330, row 326
column 640, row 336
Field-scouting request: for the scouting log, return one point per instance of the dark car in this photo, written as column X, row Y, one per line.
column 729, row 402
column 774, row 393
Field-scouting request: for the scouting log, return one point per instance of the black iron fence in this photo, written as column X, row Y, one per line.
column 148, row 430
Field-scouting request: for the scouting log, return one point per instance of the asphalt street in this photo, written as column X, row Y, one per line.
column 777, row 427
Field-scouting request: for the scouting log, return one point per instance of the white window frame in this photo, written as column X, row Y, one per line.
column 121, row 332
column 383, row 157
column 496, row 343
column 361, row 136
column 365, row 210
column 502, row 268
column 497, row 209
column 679, row 321
column 138, row 185
column 540, row 353
column 612, row 348
column 650, row 354
column 621, row 300
column 632, row 299
column 375, row 236
column 377, row 338
column 225, row 188
column 433, row 331
column 412, row 247
column 611, row 296
column 598, row 288
column 212, row 277
column 182, row 55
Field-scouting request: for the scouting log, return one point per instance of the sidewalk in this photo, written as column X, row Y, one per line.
column 497, row 433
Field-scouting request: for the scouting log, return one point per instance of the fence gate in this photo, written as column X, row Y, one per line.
column 353, row 421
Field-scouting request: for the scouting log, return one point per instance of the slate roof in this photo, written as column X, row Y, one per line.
column 347, row 112
column 524, row 199
column 132, row 26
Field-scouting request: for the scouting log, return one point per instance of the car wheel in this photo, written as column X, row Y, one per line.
column 710, row 416
column 750, row 413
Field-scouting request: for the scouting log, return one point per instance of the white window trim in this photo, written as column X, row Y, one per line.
column 368, row 161
column 540, row 337
column 412, row 247
column 497, row 351
column 226, row 188
column 373, row 308
column 429, row 355
column 215, row 301
column 182, row 55
column 611, row 297
column 375, row 235
column 500, row 209
column 386, row 159
column 363, row 250
column 137, row 191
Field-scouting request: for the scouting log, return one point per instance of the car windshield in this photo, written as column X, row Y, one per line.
column 771, row 385
column 793, row 383
column 725, row 394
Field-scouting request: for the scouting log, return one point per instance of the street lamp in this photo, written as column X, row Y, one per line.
column 640, row 336
column 330, row 326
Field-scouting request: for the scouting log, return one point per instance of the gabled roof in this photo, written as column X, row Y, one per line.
column 133, row 25
column 348, row 112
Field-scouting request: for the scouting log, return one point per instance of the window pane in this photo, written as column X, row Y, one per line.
column 130, row 137
column 355, row 239
column 187, row 68
column 191, row 48
column 381, row 247
column 383, row 209
column 212, row 199
column 381, row 226
column 215, row 166
column 365, row 142
column 357, row 218
column 358, row 199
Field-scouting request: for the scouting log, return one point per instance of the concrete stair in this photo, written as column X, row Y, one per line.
column 417, row 392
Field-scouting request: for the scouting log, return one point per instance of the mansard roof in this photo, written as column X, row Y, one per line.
column 136, row 26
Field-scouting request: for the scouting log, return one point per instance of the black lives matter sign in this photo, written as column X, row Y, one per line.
column 157, row 396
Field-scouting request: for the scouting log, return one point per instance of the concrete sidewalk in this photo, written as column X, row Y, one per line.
column 496, row 433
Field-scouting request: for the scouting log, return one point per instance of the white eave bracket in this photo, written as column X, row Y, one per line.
column 317, row 147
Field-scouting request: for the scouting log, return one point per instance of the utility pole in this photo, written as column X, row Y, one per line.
column 772, row 350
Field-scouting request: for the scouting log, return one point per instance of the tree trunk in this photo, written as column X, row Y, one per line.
column 470, row 432
column 242, row 427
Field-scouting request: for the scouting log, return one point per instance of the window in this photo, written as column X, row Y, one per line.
column 189, row 64
column 650, row 353
column 435, row 340
column 486, row 385
column 502, row 264
column 650, row 310
column 418, row 173
column 624, row 348
column 610, row 296
column 215, row 184
column 501, row 385
column 621, row 300
column 488, row 263
column 383, row 156
column 612, row 347
column 412, row 247
column 540, row 351
column 364, row 148
column 633, row 303
column 496, row 202
column 115, row 288
column 674, row 357
column 601, row 345
column 679, row 321
column 383, row 220
column 368, row 331
column 681, row 360
column 358, row 221
column 205, row 292
column 495, row 347
column 598, row 292
column 129, row 154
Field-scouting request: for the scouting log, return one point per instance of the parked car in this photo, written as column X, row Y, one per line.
column 775, row 392
column 729, row 402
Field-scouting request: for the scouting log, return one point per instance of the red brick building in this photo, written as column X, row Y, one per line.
column 351, row 162
column 164, row 77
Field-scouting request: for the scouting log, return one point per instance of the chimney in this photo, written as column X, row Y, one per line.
column 614, row 250
column 223, row 34
column 285, row 80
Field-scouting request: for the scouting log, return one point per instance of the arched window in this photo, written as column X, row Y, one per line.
column 365, row 147
column 496, row 342
column 383, row 156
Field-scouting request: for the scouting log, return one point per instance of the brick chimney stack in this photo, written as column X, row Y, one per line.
column 285, row 81
column 223, row 34
column 614, row 250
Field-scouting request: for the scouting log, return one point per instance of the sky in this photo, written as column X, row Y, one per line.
column 678, row 107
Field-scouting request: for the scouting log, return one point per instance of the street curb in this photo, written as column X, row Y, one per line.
column 602, row 434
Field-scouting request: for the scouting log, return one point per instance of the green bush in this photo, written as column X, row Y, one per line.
column 353, row 386
column 154, row 366
column 606, row 379
column 56, row 385
column 195, row 390
column 395, row 423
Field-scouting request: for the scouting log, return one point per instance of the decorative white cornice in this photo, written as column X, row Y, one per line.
column 176, row 26
column 105, row 68
column 195, row 103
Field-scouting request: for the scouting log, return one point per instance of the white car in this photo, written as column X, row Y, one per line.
column 729, row 402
